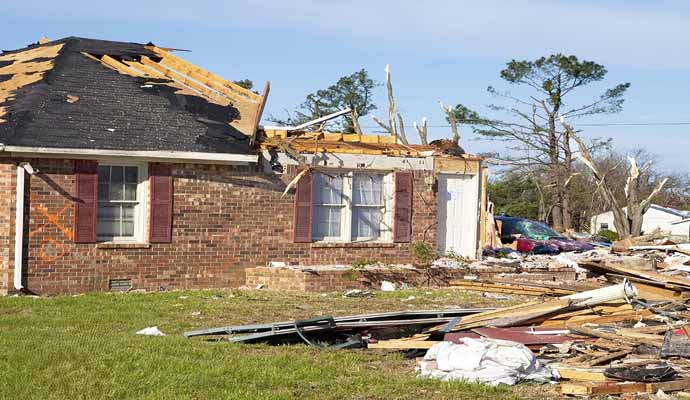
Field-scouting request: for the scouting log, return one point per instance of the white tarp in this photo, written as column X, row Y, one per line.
column 483, row 360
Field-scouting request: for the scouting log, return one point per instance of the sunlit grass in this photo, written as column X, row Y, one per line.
column 84, row 347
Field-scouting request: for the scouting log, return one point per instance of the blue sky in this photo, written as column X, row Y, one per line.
column 438, row 50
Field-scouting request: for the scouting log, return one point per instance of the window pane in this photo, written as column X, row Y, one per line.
column 366, row 189
column 108, row 220
column 366, row 222
column 103, row 191
column 327, row 221
column 103, row 174
column 328, row 189
column 130, row 191
column 116, row 174
column 127, row 220
column 116, row 192
column 131, row 175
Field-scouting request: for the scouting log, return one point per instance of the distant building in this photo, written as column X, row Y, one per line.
column 665, row 218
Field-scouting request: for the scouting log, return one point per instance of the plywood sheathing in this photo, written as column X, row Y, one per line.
column 188, row 79
column 468, row 165
column 24, row 68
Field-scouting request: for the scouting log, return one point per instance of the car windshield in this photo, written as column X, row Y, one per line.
column 527, row 228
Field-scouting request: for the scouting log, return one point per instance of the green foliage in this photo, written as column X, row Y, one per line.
column 465, row 115
column 245, row 83
column 608, row 234
column 353, row 91
column 422, row 252
column 514, row 194
column 557, row 75
column 455, row 257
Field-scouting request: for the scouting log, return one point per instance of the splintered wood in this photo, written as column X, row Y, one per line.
column 188, row 79
column 23, row 68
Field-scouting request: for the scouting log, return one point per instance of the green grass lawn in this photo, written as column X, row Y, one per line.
column 84, row 347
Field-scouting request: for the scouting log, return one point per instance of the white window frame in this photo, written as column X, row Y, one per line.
column 140, row 210
column 386, row 229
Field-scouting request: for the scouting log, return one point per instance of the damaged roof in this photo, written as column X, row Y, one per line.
column 79, row 93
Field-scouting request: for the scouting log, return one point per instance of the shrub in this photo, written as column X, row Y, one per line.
column 422, row 251
column 608, row 234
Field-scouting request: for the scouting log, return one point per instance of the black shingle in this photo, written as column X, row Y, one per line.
column 114, row 111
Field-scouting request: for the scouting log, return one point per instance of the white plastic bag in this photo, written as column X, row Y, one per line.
column 488, row 361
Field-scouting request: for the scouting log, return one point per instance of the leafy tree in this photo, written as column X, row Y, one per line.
column 515, row 195
column 353, row 91
column 536, row 140
column 245, row 83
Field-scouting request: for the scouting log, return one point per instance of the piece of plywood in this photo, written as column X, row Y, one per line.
column 581, row 374
column 456, row 165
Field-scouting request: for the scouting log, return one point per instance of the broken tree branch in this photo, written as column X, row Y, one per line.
column 453, row 122
column 422, row 131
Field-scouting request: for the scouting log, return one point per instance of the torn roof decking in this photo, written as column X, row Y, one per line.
column 351, row 143
column 94, row 94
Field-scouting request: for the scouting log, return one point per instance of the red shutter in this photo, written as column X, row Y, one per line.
column 86, row 174
column 402, row 215
column 161, row 188
column 302, row 218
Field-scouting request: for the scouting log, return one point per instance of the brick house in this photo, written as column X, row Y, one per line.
column 123, row 166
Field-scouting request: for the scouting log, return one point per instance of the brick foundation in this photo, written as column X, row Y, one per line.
column 225, row 219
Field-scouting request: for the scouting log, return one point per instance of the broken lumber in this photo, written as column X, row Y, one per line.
column 599, row 389
column 509, row 288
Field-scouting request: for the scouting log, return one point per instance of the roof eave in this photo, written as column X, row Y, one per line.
column 161, row 156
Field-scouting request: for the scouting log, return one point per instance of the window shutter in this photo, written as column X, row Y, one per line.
column 161, row 188
column 302, row 218
column 402, row 215
column 86, row 208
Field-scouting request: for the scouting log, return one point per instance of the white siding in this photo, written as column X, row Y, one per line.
column 681, row 229
column 654, row 218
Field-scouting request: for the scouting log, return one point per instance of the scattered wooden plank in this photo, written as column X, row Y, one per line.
column 397, row 344
column 611, row 336
column 510, row 288
column 608, row 357
column 581, row 374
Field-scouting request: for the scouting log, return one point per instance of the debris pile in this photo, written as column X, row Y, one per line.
column 623, row 328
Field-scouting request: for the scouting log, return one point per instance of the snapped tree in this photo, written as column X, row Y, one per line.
column 537, row 145
column 627, row 219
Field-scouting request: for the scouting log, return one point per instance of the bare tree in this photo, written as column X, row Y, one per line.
column 628, row 219
column 422, row 131
column 452, row 120
column 392, row 126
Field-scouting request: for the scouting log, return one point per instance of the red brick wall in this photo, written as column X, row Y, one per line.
column 225, row 219
column 7, row 201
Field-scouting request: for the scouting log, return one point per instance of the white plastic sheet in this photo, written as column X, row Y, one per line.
column 151, row 331
column 483, row 360
column 387, row 286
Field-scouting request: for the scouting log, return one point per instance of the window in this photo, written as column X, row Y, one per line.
column 350, row 206
column 603, row 226
column 120, row 202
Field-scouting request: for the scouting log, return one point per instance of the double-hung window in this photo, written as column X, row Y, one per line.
column 351, row 206
column 121, row 198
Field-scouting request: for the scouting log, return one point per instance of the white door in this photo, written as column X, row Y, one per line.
column 458, row 214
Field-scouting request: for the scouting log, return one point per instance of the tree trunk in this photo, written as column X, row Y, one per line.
column 354, row 118
column 556, row 171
